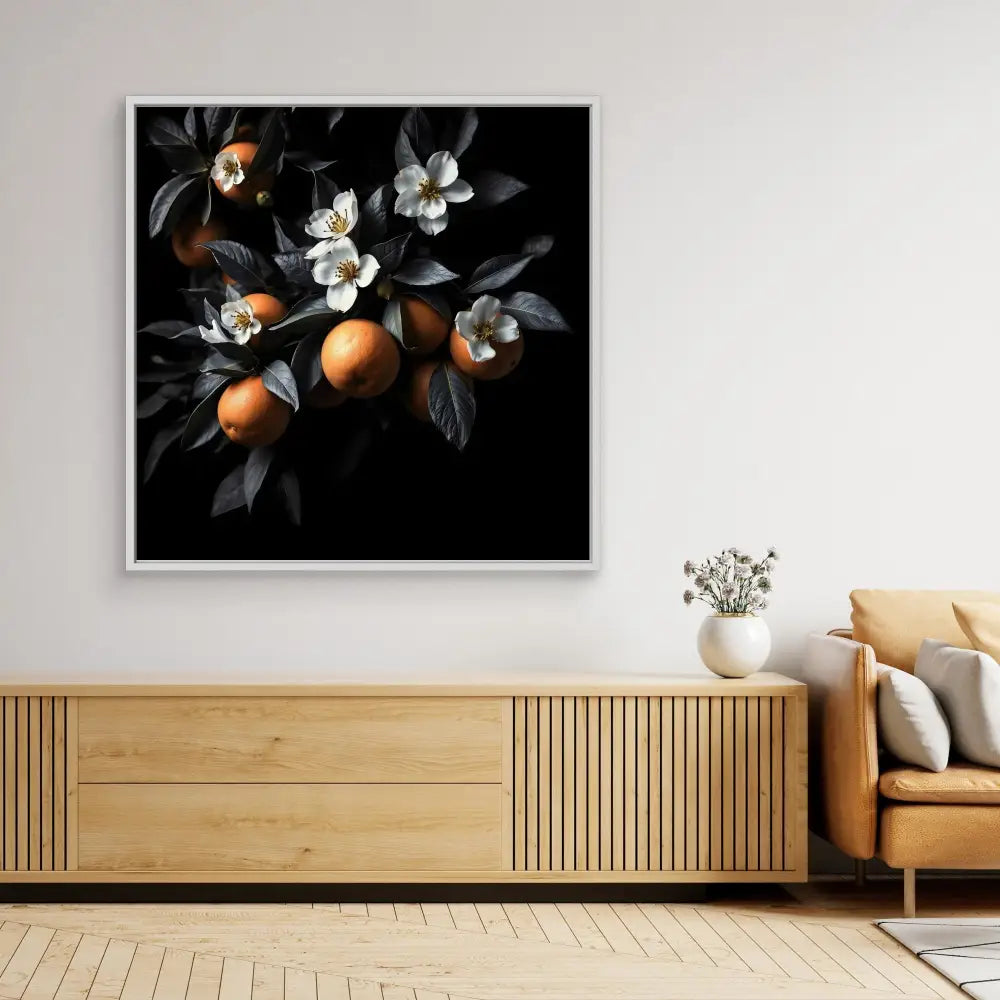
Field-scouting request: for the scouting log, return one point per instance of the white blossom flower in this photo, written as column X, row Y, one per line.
column 727, row 559
column 743, row 570
column 227, row 170
column 688, row 596
column 729, row 591
column 344, row 272
column 764, row 584
column 239, row 320
column 329, row 225
column 756, row 597
column 483, row 324
column 689, row 568
column 769, row 563
column 213, row 335
column 772, row 553
column 702, row 580
column 424, row 192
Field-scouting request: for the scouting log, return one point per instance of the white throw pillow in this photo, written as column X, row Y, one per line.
column 911, row 723
column 967, row 683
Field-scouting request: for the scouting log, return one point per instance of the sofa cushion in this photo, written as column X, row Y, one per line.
column 980, row 621
column 895, row 622
column 960, row 783
column 912, row 725
column 967, row 683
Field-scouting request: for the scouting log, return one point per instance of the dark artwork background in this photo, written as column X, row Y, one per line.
column 521, row 488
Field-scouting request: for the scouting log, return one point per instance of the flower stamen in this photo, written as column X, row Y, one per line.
column 483, row 331
column 243, row 320
column 229, row 167
column 347, row 270
column 337, row 223
column 429, row 189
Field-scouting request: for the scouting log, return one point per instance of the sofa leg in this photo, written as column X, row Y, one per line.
column 909, row 892
column 860, row 872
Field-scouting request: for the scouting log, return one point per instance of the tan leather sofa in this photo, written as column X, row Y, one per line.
column 863, row 802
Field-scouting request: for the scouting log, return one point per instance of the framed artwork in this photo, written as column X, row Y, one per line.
column 361, row 333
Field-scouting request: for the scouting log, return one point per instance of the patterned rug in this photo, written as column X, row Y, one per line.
column 966, row 950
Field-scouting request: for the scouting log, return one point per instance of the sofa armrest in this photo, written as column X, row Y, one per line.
column 843, row 786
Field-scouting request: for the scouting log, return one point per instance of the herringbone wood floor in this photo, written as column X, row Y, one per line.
column 819, row 946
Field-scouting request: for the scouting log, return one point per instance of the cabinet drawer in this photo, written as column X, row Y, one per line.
column 289, row 739
column 268, row 827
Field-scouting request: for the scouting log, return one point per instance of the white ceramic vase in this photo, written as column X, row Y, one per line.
column 732, row 645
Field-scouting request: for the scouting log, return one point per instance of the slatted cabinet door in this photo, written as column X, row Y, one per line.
column 39, row 784
column 691, row 785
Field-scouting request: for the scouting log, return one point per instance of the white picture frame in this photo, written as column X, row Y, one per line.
column 134, row 564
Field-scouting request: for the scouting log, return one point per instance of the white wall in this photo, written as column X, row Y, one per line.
column 800, row 329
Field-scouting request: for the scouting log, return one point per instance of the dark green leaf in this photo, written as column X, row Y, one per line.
column 258, row 462
column 230, row 132
column 324, row 191
column 417, row 127
column 294, row 266
column 405, row 157
column 172, row 329
column 215, row 121
column 270, row 146
column 435, row 300
column 538, row 246
column 307, row 315
column 291, row 495
column 279, row 381
column 333, row 115
column 497, row 271
column 163, row 131
column 160, row 443
column 284, row 242
column 194, row 299
column 206, row 205
column 532, row 312
column 191, row 125
column 452, row 404
column 230, row 495
column 231, row 294
column 375, row 213
column 203, row 423
column 155, row 402
column 492, row 188
column 424, row 271
column 390, row 253
column 308, row 161
column 236, row 352
column 463, row 137
column 163, row 370
column 170, row 203
column 306, row 361
column 234, row 370
column 246, row 266
column 212, row 314
column 183, row 159
column 392, row 320
column 208, row 383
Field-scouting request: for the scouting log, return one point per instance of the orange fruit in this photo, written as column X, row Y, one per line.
column 268, row 310
column 189, row 233
column 359, row 357
column 417, row 389
column 507, row 358
column 251, row 415
column 424, row 328
column 245, row 193
column 323, row 396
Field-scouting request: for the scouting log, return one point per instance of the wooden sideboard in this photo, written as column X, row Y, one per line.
column 527, row 779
